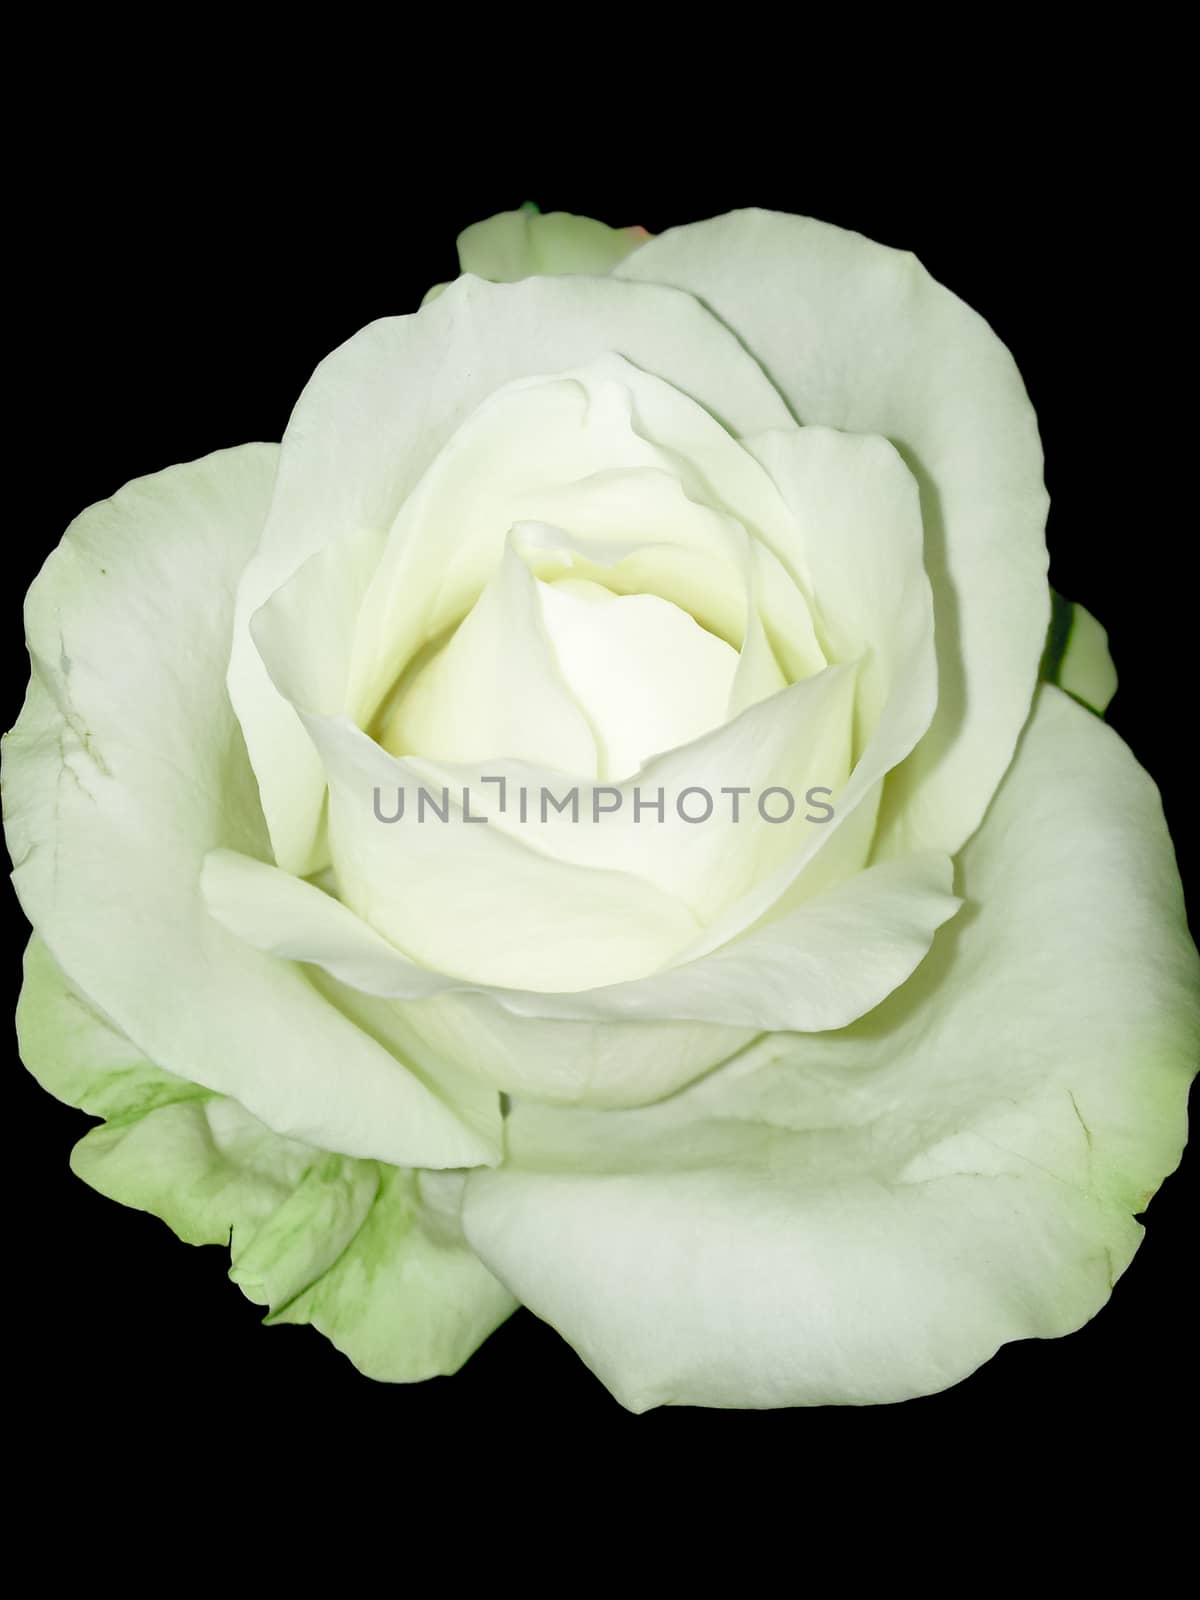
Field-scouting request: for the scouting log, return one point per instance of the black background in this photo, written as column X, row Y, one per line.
column 173, row 307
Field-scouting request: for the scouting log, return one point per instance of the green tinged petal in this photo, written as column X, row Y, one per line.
column 525, row 244
column 79, row 1057
column 1076, row 657
column 348, row 1245
column 410, row 1299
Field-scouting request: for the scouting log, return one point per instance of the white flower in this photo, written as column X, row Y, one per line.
column 578, row 824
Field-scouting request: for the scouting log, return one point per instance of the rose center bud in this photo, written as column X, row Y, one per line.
column 564, row 673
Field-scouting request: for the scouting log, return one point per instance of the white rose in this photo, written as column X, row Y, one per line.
column 578, row 825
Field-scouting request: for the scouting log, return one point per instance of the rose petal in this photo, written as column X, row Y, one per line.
column 866, row 1216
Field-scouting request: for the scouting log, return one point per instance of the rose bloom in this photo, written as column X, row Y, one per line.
column 356, row 807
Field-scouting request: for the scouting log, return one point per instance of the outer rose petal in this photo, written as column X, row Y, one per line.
column 347, row 1245
column 861, row 338
column 1076, row 655
column 866, row 1216
column 126, row 766
column 524, row 244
